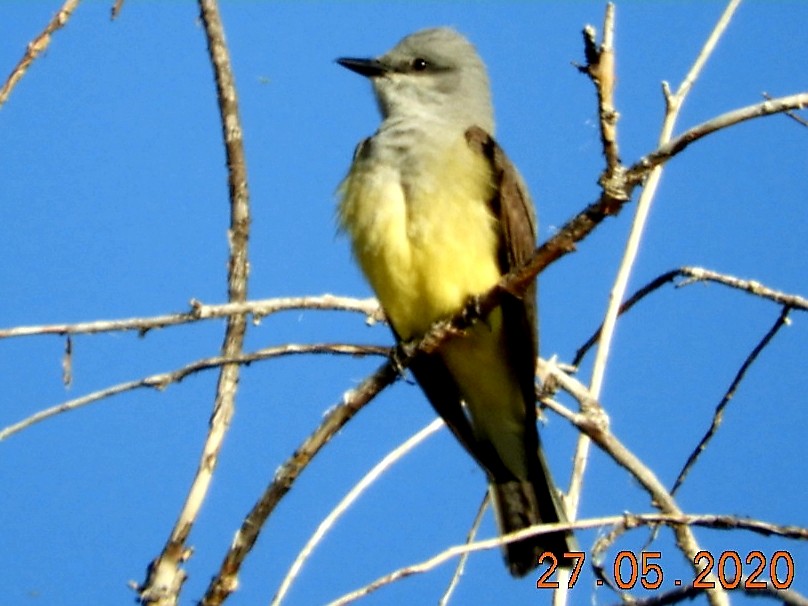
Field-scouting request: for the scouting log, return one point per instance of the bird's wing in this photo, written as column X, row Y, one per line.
column 513, row 209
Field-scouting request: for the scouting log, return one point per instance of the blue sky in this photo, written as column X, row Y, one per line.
column 114, row 205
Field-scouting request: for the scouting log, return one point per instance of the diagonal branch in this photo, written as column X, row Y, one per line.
column 693, row 275
column 226, row 579
column 36, row 47
column 669, row 149
column 718, row 415
column 162, row 380
column 367, row 480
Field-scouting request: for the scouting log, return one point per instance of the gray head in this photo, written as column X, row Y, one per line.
column 433, row 74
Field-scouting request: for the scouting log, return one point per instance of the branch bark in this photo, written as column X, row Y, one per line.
column 165, row 574
column 36, row 47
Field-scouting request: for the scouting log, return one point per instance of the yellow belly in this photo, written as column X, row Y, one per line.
column 426, row 245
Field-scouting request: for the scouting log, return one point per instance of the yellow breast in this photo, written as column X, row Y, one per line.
column 424, row 238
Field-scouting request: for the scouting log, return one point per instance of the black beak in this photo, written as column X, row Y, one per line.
column 370, row 68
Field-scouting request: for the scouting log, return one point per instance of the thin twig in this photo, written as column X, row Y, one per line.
column 461, row 561
column 752, row 287
column 694, row 275
column 672, row 147
column 793, row 115
column 718, row 415
column 446, row 555
column 165, row 574
column 349, row 499
column 162, row 380
column 67, row 363
column 116, row 9
column 36, row 47
column 199, row 311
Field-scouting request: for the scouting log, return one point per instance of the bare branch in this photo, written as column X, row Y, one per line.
column 463, row 559
column 791, row 114
column 116, row 9
column 165, row 575
column 163, row 380
column 593, row 422
column 601, row 70
column 693, row 275
column 718, row 415
column 704, row 55
column 199, row 311
column 36, row 47
column 367, row 480
column 630, row 520
column 699, row 274
column 226, row 580
column 669, row 149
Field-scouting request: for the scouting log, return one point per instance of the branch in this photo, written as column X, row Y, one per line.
column 669, row 149
column 594, row 423
column 791, row 114
column 226, row 580
column 387, row 461
column 461, row 562
column 632, row 520
column 601, row 70
column 161, row 381
column 718, row 415
column 165, row 574
column 199, row 311
column 36, row 47
column 693, row 275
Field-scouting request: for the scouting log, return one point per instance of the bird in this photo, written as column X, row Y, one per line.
column 436, row 215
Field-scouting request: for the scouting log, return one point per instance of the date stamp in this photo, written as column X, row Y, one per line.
column 729, row 568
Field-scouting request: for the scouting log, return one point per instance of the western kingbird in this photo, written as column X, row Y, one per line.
column 436, row 214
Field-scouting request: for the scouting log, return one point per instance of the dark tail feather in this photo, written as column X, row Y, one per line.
column 519, row 504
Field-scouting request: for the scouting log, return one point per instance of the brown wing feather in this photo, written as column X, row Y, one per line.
column 521, row 504
column 512, row 207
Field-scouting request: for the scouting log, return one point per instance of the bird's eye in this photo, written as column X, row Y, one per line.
column 419, row 64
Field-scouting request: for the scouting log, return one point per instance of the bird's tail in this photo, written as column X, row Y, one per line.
column 519, row 504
